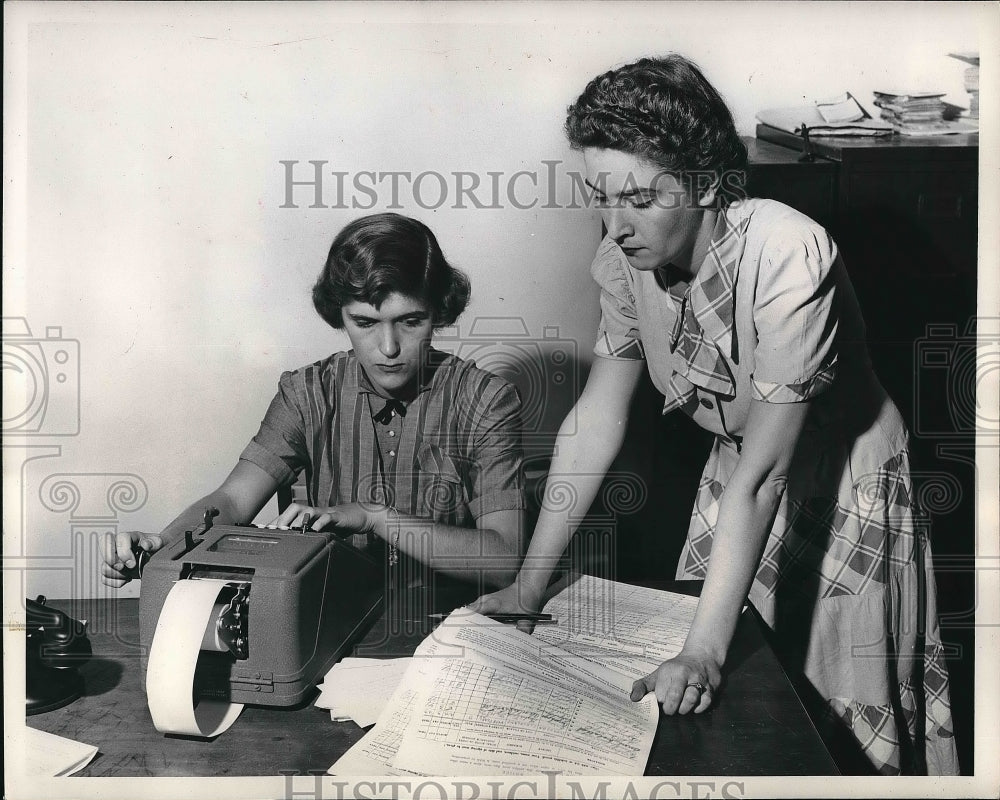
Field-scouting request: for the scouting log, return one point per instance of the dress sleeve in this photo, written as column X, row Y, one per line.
column 495, row 477
column 618, row 332
column 795, row 314
column 279, row 446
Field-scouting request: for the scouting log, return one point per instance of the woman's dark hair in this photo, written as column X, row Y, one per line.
column 374, row 256
column 660, row 109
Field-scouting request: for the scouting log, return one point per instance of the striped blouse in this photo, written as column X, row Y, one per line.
column 454, row 455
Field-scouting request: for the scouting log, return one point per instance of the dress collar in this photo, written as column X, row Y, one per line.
column 711, row 293
column 703, row 334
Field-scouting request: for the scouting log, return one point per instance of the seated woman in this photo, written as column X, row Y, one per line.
column 745, row 317
column 394, row 439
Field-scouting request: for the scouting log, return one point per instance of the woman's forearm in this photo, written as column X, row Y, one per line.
column 465, row 553
column 584, row 451
column 747, row 511
column 746, row 515
column 194, row 515
column 238, row 500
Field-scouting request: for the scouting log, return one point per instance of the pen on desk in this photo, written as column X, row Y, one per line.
column 538, row 619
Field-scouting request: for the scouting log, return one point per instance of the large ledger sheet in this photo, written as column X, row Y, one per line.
column 481, row 698
column 484, row 699
column 629, row 630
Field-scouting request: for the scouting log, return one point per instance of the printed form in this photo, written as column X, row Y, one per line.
column 481, row 698
column 488, row 701
column 629, row 630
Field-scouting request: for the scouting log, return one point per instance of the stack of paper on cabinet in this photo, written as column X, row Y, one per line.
column 971, row 80
column 915, row 113
column 481, row 698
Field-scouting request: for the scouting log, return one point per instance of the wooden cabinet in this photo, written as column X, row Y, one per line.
column 904, row 212
column 778, row 173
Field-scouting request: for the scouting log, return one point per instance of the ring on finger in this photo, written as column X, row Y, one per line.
column 701, row 687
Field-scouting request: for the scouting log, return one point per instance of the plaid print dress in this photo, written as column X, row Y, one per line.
column 846, row 579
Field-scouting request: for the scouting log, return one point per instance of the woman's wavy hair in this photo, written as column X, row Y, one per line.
column 663, row 110
column 374, row 256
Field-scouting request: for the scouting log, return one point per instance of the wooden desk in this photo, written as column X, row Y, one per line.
column 757, row 728
column 779, row 173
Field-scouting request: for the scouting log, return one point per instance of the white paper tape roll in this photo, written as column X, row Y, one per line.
column 173, row 656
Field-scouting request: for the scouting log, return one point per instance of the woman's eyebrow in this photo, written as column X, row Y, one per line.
column 635, row 190
column 361, row 317
column 640, row 190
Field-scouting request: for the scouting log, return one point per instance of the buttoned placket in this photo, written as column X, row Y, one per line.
column 388, row 430
column 388, row 434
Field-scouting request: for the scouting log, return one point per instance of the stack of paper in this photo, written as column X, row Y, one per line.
column 482, row 698
column 360, row 688
column 912, row 112
column 54, row 756
column 920, row 114
column 971, row 80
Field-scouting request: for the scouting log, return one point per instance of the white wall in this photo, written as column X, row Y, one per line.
column 143, row 145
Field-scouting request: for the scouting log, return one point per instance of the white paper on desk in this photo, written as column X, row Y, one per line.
column 375, row 752
column 792, row 120
column 54, row 756
column 629, row 630
column 361, row 688
column 509, row 707
column 946, row 128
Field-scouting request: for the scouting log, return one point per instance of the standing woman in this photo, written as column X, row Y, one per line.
column 745, row 317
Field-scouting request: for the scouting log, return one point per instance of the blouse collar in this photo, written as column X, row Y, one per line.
column 703, row 335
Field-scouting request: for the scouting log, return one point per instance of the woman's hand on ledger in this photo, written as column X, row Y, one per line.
column 344, row 520
column 123, row 553
column 688, row 682
column 513, row 599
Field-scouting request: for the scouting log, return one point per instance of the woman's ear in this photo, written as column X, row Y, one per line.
column 703, row 187
column 708, row 195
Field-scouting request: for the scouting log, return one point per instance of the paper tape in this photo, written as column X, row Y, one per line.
column 184, row 619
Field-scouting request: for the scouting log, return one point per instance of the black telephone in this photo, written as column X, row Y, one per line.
column 56, row 645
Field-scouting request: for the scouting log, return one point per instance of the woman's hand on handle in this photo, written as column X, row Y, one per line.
column 688, row 682
column 240, row 497
column 121, row 554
